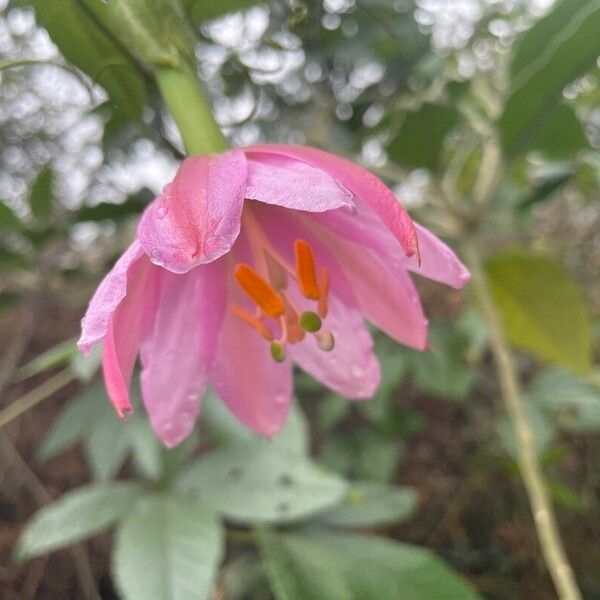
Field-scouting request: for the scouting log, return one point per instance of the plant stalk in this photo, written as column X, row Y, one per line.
column 182, row 93
column 545, row 521
column 35, row 396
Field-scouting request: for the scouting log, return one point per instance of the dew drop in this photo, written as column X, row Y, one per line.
column 161, row 212
column 356, row 371
column 156, row 257
column 281, row 399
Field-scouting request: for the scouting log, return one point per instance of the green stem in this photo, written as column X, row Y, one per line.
column 531, row 472
column 35, row 396
column 181, row 92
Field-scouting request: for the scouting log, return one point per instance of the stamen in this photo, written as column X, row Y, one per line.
column 277, row 274
column 254, row 322
column 294, row 332
column 310, row 321
column 324, row 288
column 259, row 290
column 305, row 270
column 325, row 340
column 277, row 351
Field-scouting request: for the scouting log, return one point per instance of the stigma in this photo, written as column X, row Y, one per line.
column 269, row 285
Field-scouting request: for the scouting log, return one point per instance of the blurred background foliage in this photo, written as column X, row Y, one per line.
column 425, row 93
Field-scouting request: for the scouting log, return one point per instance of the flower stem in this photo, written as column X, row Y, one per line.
column 181, row 92
column 35, row 396
column 545, row 521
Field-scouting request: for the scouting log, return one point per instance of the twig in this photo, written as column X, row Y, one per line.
column 543, row 514
column 31, row 481
column 81, row 560
column 35, row 396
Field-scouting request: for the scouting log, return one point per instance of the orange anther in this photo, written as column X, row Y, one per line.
column 324, row 289
column 259, row 290
column 305, row 269
column 254, row 322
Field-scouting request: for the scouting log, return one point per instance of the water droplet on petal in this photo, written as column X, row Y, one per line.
column 156, row 257
column 281, row 399
column 356, row 371
column 161, row 212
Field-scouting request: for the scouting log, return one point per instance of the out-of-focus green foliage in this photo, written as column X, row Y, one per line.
column 427, row 105
column 343, row 566
column 543, row 309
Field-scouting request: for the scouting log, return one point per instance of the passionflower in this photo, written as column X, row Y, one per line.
column 250, row 262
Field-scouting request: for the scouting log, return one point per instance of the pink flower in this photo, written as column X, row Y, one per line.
column 251, row 261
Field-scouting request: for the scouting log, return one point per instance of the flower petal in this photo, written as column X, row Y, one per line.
column 363, row 184
column 438, row 262
column 386, row 295
column 351, row 368
column 283, row 181
column 197, row 217
column 107, row 298
column 255, row 388
column 126, row 328
column 177, row 352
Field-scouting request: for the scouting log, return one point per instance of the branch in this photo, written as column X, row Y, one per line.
column 545, row 521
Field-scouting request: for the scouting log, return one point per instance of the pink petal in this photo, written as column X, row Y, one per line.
column 283, row 181
column 255, row 388
column 107, row 298
column 363, row 184
column 385, row 293
column 177, row 352
column 360, row 277
column 351, row 368
column 438, row 262
column 197, row 217
column 127, row 326
column 283, row 227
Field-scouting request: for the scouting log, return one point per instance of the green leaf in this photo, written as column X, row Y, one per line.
column 547, row 185
column 420, row 140
column 331, row 410
column 564, row 495
column 370, row 504
column 261, row 483
column 107, row 446
column 362, row 455
column 542, row 308
column 73, row 421
column 109, row 211
column 86, row 367
column 226, row 429
column 542, row 432
column 532, row 43
column 204, row 10
column 544, row 66
column 76, row 516
column 40, row 195
column 443, row 370
column 10, row 259
column 146, row 449
column 8, row 219
column 558, row 137
column 168, row 548
column 313, row 566
column 573, row 403
column 79, row 29
column 153, row 29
